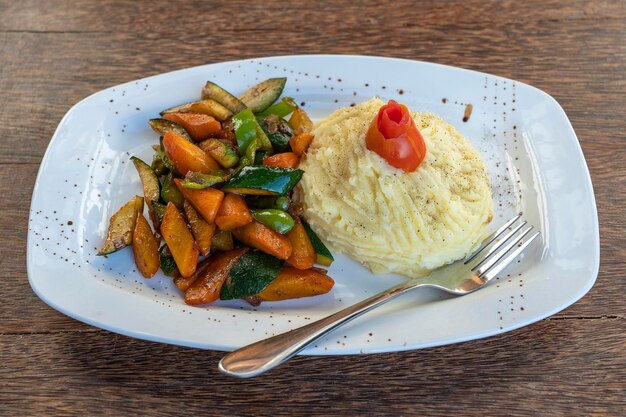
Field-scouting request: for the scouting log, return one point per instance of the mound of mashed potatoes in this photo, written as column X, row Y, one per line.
column 386, row 218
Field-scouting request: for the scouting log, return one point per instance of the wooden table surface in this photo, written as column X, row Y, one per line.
column 54, row 53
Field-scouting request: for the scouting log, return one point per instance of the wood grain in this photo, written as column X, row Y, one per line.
column 54, row 53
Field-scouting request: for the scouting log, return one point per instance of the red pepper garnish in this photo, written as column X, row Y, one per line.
column 394, row 136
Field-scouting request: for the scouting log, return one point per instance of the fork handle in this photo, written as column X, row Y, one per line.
column 266, row 354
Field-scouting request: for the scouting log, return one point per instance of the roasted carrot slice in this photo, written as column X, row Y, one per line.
column 199, row 126
column 206, row 201
column 186, row 156
column 263, row 238
column 299, row 144
column 296, row 283
column 183, row 283
column 145, row 248
column 233, row 213
column 207, row 287
column 282, row 160
column 201, row 230
column 300, row 121
column 303, row 255
column 179, row 240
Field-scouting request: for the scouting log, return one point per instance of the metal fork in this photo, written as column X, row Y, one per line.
column 460, row 278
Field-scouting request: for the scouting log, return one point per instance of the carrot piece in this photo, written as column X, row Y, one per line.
column 300, row 121
column 303, row 255
column 199, row 126
column 233, row 213
column 179, row 240
column 296, row 283
column 206, row 201
column 183, row 283
column 186, row 156
column 282, row 160
column 145, row 248
column 207, row 287
column 263, row 238
column 299, row 144
column 201, row 230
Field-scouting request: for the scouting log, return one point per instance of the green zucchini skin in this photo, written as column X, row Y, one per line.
column 278, row 132
column 324, row 257
column 264, row 180
column 225, row 155
column 169, row 192
column 166, row 262
column 264, row 94
column 250, row 275
column 163, row 126
column 149, row 180
column 217, row 93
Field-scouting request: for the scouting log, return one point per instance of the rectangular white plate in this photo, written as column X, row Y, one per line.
column 533, row 156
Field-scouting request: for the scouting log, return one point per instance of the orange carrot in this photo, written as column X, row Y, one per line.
column 145, row 248
column 201, row 230
column 233, row 213
column 303, row 255
column 206, row 201
column 263, row 238
column 207, row 287
column 299, row 144
column 282, row 160
column 199, row 126
column 296, row 283
column 186, row 156
column 179, row 240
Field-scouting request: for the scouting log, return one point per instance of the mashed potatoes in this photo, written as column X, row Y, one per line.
column 390, row 220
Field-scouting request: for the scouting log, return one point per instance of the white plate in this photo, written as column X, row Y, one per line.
column 533, row 155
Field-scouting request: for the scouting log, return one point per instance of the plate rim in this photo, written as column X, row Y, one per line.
column 157, row 338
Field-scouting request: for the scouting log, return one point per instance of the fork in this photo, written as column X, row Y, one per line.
column 459, row 278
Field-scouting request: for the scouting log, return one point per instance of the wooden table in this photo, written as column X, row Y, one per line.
column 54, row 53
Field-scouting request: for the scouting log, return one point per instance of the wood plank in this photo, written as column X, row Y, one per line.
column 576, row 367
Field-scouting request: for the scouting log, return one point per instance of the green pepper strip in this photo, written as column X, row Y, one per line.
column 247, row 129
column 275, row 219
column 198, row 180
column 281, row 109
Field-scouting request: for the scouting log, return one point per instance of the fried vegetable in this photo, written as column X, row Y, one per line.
column 324, row 257
column 209, row 285
column 163, row 126
column 206, row 201
column 186, row 156
column 268, row 202
column 179, row 240
column 265, row 239
column 262, row 95
column 121, row 226
column 296, row 283
column 300, row 122
column 201, row 230
column 145, row 248
column 217, row 93
column 158, row 210
column 167, row 262
column 161, row 164
column 183, row 283
column 277, row 220
column 252, row 273
column 278, row 132
column 170, row 193
column 303, row 255
column 209, row 107
column 151, row 186
column 224, row 154
column 198, row 180
column 264, row 180
column 247, row 129
column 233, row 213
column 282, row 160
column 299, row 144
column 222, row 240
column 199, row 126
column 283, row 108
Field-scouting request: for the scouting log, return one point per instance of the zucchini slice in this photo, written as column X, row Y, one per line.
column 208, row 106
column 149, row 180
column 171, row 193
column 324, row 257
column 217, row 93
column 264, row 94
column 264, row 180
column 198, row 180
column 166, row 262
column 163, row 126
column 224, row 154
column 250, row 275
column 121, row 226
